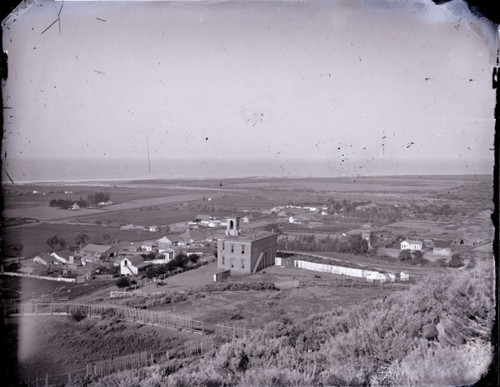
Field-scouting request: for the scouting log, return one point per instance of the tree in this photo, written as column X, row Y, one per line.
column 56, row 243
column 194, row 258
column 91, row 200
column 81, row 239
column 122, row 282
column 456, row 261
column 404, row 255
column 181, row 260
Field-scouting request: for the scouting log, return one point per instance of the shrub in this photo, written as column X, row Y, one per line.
column 78, row 315
column 456, row 261
column 122, row 282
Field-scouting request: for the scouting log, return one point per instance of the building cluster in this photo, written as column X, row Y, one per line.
column 125, row 258
column 439, row 248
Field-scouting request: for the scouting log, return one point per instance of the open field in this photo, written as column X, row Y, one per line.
column 145, row 216
column 25, row 289
column 318, row 293
column 33, row 236
column 368, row 184
column 44, row 212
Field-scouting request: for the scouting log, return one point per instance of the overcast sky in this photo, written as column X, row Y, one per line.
column 340, row 80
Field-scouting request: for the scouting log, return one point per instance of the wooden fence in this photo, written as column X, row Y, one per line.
column 58, row 279
column 140, row 316
column 231, row 331
column 353, row 283
column 108, row 366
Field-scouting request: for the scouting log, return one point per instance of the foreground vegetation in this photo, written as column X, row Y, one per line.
column 436, row 333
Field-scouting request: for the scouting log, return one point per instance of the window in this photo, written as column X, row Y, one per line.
column 232, row 248
column 223, row 260
column 242, row 263
column 223, row 243
column 242, row 249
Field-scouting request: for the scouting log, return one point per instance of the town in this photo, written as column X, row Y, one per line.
column 182, row 252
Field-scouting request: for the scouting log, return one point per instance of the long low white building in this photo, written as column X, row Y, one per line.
column 370, row 275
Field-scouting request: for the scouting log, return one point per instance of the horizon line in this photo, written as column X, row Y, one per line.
column 254, row 177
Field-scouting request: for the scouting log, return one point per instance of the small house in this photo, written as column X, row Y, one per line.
column 198, row 218
column 63, row 257
column 149, row 245
column 194, row 236
column 43, row 259
column 413, row 245
column 169, row 241
column 98, row 251
column 131, row 265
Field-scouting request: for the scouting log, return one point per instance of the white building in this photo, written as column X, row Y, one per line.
column 413, row 245
column 131, row 265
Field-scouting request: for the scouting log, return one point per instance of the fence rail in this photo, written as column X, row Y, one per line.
column 140, row 316
column 231, row 331
column 108, row 366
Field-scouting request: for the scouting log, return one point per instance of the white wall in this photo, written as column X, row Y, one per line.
column 370, row 275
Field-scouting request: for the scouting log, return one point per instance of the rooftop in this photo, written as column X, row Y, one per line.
column 96, row 248
column 251, row 237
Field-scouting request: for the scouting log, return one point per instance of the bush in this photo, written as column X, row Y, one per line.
column 122, row 282
column 78, row 315
column 456, row 261
column 404, row 255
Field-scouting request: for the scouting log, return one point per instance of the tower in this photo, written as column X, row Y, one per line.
column 233, row 226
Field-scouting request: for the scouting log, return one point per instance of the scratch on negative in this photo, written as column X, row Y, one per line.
column 55, row 21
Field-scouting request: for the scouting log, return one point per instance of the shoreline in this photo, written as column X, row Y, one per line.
column 112, row 181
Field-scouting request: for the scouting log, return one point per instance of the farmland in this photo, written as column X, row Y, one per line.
column 389, row 208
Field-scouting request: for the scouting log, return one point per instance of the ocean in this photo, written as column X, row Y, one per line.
column 70, row 170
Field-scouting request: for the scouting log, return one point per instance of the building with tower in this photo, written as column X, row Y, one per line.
column 245, row 253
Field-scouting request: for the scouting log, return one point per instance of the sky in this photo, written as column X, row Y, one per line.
column 347, row 84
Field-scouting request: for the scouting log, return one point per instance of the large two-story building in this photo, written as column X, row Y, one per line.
column 245, row 253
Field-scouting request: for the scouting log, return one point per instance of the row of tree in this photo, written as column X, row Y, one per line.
column 92, row 200
column 351, row 244
column 181, row 261
column 57, row 243
column 417, row 258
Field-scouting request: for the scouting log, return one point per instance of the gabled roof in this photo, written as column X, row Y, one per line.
column 195, row 235
column 44, row 257
column 64, row 254
column 170, row 239
column 133, row 259
column 413, row 241
column 250, row 237
column 96, row 249
column 149, row 243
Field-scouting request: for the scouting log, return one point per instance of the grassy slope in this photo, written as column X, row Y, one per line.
column 436, row 333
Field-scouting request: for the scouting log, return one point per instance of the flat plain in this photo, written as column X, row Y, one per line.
column 450, row 209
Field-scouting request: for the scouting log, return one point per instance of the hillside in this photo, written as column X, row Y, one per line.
column 438, row 332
